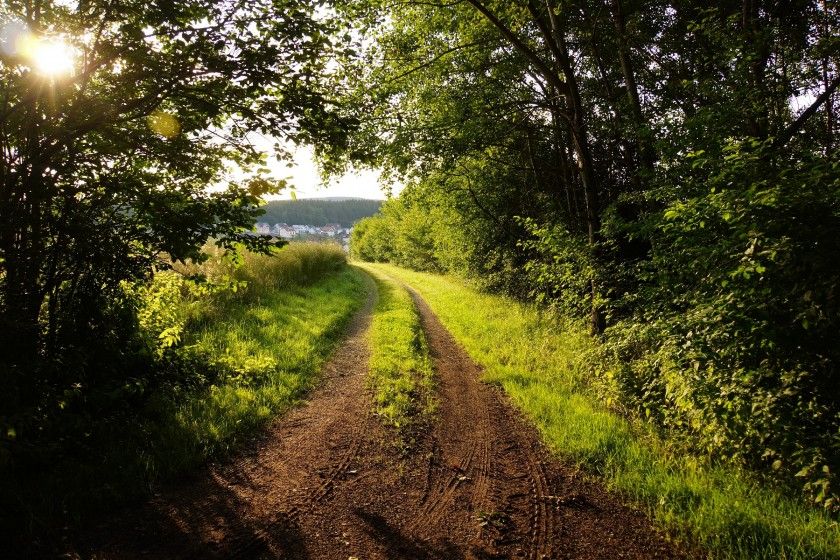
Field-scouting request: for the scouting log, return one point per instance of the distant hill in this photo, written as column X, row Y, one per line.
column 319, row 211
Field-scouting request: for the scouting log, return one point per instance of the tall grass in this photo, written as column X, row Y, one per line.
column 401, row 375
column 295, row 264
column 541, row 362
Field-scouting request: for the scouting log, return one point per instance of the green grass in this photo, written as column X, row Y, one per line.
column 541, row 363
column 401, row 374
column 239, row 359
column 271, row 350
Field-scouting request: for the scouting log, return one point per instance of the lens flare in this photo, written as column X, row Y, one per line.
column 163, row 123
column 50, row 57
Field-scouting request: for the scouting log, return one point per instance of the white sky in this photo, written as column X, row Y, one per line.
column 304, row 176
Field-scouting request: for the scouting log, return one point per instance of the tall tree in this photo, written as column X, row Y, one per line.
column 115, row 118
column 670, row 164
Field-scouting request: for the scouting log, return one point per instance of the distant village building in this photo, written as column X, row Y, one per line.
column 284, row 230
column 299, row 228
column 331, row 229
column 298, row 231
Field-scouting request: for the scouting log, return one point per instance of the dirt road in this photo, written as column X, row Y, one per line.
column 325, row 483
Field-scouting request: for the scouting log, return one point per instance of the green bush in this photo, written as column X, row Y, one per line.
column 220, row 346
column 741, row 356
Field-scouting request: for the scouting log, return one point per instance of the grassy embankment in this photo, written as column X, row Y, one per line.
column 401, row 374
column 541, row 364
column 231, row 352
column 269, row 342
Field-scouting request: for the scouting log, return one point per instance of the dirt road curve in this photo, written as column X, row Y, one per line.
column 324, row 483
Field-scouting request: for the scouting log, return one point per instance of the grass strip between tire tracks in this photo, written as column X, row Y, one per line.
column 401, row 375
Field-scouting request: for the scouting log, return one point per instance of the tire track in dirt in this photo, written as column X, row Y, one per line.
column 326, row 482
column 542, row 526
column 260, row 538
column 476, row 412
column 462, row 459
column 509, row 488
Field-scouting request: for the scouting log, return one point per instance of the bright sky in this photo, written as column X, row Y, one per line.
column 359, row 183
column 304, row 176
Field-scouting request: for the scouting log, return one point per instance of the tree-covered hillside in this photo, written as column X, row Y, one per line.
column 319, row 211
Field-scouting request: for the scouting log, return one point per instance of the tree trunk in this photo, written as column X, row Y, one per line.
column 758, row 49
column 588, row 178
column 644, row 145
column 576, row 119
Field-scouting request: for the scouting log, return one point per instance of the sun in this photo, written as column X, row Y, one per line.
column 48, row 56
column 53, row 58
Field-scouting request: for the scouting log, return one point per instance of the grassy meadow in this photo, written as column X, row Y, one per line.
column 268, row 340
column 543, row 364
column 234, row 342
column 401, row 375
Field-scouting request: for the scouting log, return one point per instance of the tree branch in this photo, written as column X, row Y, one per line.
column 797, row 125
column 434, row 59
column 549, row 74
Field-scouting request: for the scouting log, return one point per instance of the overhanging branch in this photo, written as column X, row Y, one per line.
column 797, row 125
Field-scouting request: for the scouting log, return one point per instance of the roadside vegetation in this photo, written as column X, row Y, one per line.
column 264, row 338
column 544, row 363
column 666, row 173
column 224, row 345
column 401, row 374
column 108, row 149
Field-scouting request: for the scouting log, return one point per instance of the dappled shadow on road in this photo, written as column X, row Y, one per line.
column 207, row 521
column 399, row 545
column 252, row 505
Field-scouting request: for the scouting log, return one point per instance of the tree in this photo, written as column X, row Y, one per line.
column 115, row 119
column 667, row 169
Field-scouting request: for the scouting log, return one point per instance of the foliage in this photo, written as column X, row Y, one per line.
column 677, row 186
column 399, row 234
column 743, row 355
column 105, row 167
column 421, row 230
column 562, row 280
column 543, row 362
column 319, row 212
column 371, row 240
column 239, row 341
column 401, row 374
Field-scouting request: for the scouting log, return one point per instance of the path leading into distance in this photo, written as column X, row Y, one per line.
column 323, row 483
